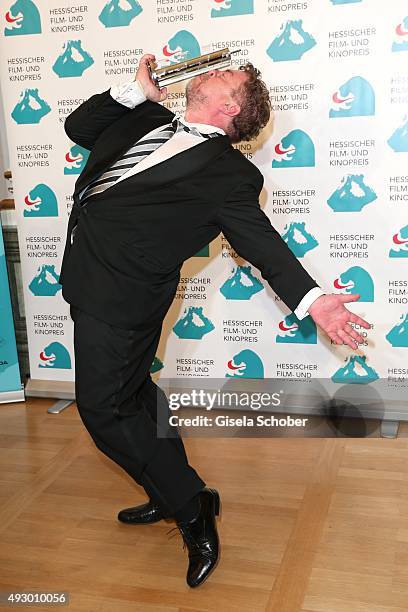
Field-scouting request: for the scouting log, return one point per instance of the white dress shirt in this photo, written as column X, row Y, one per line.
column 131, row 94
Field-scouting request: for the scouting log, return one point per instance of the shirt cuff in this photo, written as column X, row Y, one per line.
column 302, row 309
column 129, row 94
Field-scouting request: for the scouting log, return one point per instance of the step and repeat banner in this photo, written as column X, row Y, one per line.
column 335, row 164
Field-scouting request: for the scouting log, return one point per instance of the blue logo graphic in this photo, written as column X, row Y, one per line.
column 352, row 195
column 193, row 325
column 398, row 335
column 45, row 282
column 344, row 1
column 41, row 202
column 241, row 285
column 230, row 8
column 55, row 355
column 356, row 371
column 73, row 60
column 355, row 98
column 399, row 139
column 400, row 243
column 182, row 46
column 291, row 42
column 23, row 17
column 298, row 238
column 401, row 36
column 117, row 13
column 30, row 108
column 291, row 330
column 296, row 150
column 356, row 280
column 156, row 365
column 76, row 159
column 246, row 364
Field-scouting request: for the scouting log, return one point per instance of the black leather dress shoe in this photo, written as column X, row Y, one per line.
column 201, row 538
column 141, row 515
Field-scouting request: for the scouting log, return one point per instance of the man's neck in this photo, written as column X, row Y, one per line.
column 198, row 116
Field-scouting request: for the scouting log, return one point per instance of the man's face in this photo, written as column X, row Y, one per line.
column 214, row 88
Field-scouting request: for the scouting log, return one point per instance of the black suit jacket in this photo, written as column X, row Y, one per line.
column 131, row 240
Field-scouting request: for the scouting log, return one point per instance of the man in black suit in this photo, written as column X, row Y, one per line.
column 154, row 191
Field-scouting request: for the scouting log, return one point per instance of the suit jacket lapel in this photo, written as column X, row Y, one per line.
column 113, row 143
column 180, row 165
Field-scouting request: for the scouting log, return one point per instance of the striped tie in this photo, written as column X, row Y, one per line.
column 133, row 156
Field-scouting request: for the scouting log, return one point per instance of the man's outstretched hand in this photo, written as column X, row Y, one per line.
column 329, row 312
column 152, row 92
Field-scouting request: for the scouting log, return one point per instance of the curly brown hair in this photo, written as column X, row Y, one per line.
column 253, row 97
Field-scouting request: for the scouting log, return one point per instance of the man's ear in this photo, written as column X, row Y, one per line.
column 231, row 108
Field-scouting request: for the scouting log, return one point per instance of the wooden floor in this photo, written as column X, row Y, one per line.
column 307, row 525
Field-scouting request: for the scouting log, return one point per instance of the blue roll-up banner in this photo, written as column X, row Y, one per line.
column 11, row 389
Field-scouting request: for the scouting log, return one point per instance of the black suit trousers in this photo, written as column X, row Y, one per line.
column 120, row 406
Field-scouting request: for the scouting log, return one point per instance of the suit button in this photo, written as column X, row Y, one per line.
column 85, row 211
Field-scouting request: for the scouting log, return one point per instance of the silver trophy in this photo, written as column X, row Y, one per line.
column 189, row 68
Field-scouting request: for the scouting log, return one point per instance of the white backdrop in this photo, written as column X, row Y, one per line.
column 335, row 168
